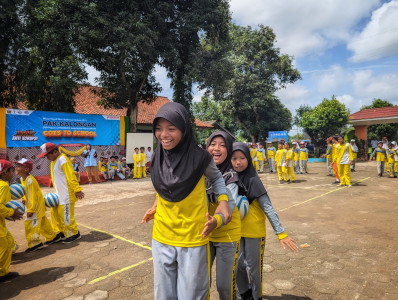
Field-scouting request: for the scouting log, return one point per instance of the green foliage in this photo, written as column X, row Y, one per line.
column 259, row 70
column 381, row 130
column 327, row 118
column 300, row 112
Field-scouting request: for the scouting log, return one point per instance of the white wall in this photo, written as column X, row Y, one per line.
column 137, row 140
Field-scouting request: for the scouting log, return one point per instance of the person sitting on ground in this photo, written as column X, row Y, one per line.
column 103, row 167
column 115, row 166
column 125, row 168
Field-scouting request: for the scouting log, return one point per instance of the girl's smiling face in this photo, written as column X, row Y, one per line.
column 239, row 161
column 218, row 150
column 167, row 134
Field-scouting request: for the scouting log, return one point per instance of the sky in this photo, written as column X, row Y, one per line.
column 346, row 48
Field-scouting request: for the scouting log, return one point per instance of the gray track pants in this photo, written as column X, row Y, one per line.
column 227, row 257
column 329, row 167
column 303, row 166
column 180, row 272
column 380, row 167
column 271, row 163
column 250, row 266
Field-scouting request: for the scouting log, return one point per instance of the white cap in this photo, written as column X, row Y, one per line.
column 352, row 141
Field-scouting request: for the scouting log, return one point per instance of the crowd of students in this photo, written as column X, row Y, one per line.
column 39, row 231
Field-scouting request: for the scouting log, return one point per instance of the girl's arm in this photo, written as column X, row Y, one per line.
column 232, row 191
column 220, row 191
column 285, row 240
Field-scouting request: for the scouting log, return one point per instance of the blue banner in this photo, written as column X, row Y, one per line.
column 274, row 136
column 31, row 128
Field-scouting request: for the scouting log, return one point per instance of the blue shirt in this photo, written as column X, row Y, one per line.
column 90, row 160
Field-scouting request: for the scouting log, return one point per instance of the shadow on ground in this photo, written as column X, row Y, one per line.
column 285, row 297
column 14, row 286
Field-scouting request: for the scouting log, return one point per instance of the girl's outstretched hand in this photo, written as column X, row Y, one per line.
column 210, row 225
column 289, row 242
column 149, row 215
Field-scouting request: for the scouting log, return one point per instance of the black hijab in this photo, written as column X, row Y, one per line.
column 176, row 172
column 249, row 182
column 228, row 173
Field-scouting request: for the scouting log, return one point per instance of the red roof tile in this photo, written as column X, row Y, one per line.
column 375, row 113
column 86, row 103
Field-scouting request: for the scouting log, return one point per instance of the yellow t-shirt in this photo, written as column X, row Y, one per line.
column 5, row 196
column 303, row 155
column 143, row 159
column 278, row 156
column 33, row 197
column 391, row 155
column 181, row 223
column 260, row 155
column 101, row 167
column 227, row 233
column 253, row 225
column 137, row 160
column 295, row 154
column 271, row 152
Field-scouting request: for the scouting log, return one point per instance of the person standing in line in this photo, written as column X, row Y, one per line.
column 261, row 157
column 252, row 243
column 395, row 147
column 271, row 156
column 295, row 157
column 328, row 156
column 137, row 163
column 68, row 191
column 280, row 158
column 373, row 143
column 288, row 168
column 148, row 154
column 7, row 243
column 90, row 163
column 345, row 158
column 303, row 158
column 334, row 159
column 253, row 153
column 381, row 157
column 391, row 153
column 354, row 149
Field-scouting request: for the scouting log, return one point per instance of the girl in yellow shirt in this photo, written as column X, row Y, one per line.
column 180, row 242
column 250, row 260
column 224, row 242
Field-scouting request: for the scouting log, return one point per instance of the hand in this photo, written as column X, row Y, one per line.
column 17, row 215
column 149, row 215
column 223, row 209
column 29, row 215
column 79, row 195
column 23, row 201
column 351, row 163
column 289, row 242
column 210, row 225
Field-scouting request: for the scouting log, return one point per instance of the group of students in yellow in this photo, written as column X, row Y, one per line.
column 386, row 154
column 196, row 217
column 62, row 227
column 114, row 167
column 285, row 161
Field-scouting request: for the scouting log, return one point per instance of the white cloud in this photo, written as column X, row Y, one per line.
column 306, row 26
column 160, row 74
column 380, row 36
column 331, row 79
column 293, row 96
column 384, row 86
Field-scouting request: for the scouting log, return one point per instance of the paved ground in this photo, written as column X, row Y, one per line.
column 352, row 251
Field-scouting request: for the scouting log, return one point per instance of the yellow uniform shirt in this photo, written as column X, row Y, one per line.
column 271, row 152
column 279, row 156
column 33, row 197
column 303, row 154
column 101, row 167
column 227, row 233
column 340, row 150
column 137, row 160
column 253, row 225
column 5, row 196
column 64, row 180
column 181, row 223
column 391, row 155
column 334, row 152
column 143, row 159
column 295, row 154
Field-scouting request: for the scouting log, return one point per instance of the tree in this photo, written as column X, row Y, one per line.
column 259, row 70
column 48, row 70
column 328, row 118
column 380, row 130
column 300, row 112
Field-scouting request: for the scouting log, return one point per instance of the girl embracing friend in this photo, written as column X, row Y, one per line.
column 180, row 242
column 252, row 243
